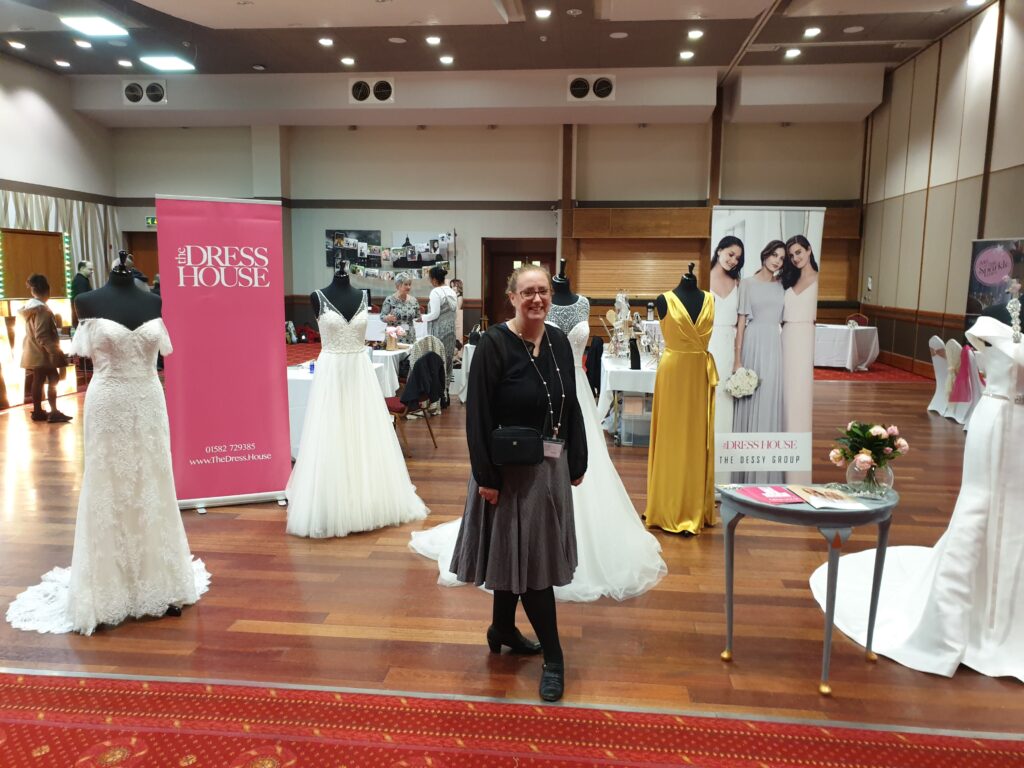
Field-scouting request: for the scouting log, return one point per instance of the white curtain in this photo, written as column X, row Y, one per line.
column 95, row 235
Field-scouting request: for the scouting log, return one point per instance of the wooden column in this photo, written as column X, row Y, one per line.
column 570, row 251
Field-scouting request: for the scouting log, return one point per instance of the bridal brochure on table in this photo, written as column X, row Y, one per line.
column 825, row 498
column 770, row 494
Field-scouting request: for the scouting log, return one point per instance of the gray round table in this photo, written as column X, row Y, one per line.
column 835, row 526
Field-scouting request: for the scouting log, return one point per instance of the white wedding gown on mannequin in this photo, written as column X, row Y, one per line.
column 131, row 557
column 961, row 601
column 350, row 474
column 618, row 556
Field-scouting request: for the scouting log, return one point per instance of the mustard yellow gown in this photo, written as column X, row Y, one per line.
column 680, row 463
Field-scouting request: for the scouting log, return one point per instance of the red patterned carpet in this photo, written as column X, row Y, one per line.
column 300, row 353
column 877, row 372
column 47, row 722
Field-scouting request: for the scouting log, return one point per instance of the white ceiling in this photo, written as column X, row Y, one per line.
column 867, row 7
column 279, row 14
column 677, row 10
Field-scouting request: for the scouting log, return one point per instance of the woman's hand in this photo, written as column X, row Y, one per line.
column 390, row 319
column 490, row 495
column 736, row 366
column 578, row 480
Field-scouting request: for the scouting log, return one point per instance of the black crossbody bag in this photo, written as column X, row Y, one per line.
column 512, row 446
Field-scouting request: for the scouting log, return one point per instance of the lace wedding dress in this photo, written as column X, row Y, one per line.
column 131, row 557
column 350, row 474
column 961, row 601
column 618, row 557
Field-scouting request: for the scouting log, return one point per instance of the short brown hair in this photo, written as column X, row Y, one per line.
column 38, row 284
column 513, row 279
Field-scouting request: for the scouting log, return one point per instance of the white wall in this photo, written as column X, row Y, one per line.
column 211, row 162
column 42, row 140
column 656, row 162
column 438, row 163
column 802, row 161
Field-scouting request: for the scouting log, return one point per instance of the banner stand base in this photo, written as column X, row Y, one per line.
column 201, row 505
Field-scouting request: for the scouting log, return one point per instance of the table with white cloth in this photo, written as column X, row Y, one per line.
column 375, row 328
column 840, row 346
column 390, row 359
column 651, row 329
column 617, row 378
column 300, row 380
column 461, row 375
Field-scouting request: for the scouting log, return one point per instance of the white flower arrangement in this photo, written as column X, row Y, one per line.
column 395, row 330
column 742, row 383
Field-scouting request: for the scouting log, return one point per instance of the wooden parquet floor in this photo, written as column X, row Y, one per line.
column 365, row 612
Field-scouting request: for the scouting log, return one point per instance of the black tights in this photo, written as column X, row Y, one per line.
column 42, row 376
column 540, row 610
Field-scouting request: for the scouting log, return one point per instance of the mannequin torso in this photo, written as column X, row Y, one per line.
column 342, row 296
column 562, row 294
column 688, row 293
column 121, row 301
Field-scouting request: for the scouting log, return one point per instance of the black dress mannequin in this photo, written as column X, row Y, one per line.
column 341, row 294
column 119, row 300
column 688, row 292
column 562, row 295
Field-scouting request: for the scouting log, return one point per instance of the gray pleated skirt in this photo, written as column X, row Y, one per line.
column 527, row 541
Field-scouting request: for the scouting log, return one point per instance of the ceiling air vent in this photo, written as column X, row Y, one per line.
column 591, row 88
column 141, row 93
column 379, row 90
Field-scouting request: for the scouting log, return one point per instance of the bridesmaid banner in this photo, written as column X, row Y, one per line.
column 764, row 280
column 993, row 264
column 222, row 283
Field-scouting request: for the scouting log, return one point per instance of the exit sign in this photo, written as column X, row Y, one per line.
column 151, row 221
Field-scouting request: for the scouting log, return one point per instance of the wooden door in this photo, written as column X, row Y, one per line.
column 142, row 246
column 501, row 257
column 27, row 252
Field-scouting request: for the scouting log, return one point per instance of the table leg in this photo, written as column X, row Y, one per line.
column 617, row 417
column 876, row 583
column 835, row 538
column 730, row 519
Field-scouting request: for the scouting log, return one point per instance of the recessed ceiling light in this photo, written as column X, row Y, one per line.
column 16, row 45
column 348, row 61
column 326, row 42
column 447, row 59
column 83, row 43
column 618, row 35
column 574, row 12
column 124, row 63
column 93, row 26
column 812, row 32
column 433, row 40
column 259, row 67
column 695, row 34
column 167, row 63
column 852, row 30
column 792, row 53
column 975, row 3
column 396, row 40
column 62, row 63
column 542, row 13
column 686, row 55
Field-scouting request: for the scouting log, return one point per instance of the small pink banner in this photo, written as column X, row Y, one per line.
column 222, row 283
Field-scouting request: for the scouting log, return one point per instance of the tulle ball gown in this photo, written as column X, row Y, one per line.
column 350, row 474
column 961, row 601
column 131, row 557
column 618, row 556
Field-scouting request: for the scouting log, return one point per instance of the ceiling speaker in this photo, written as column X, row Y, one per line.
column 380, row 90
column 143, row 92
column 591, row 88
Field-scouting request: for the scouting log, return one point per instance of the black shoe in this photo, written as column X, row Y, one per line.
column 515, row 641
column 40, row 415
column 56, row 417
column 552, row 681
column 173, row 610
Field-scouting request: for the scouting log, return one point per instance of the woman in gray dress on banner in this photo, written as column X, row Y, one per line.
column 518, row 535
column 440, row 318
column 759, row 349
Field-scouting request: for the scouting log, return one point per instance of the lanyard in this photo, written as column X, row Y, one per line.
column 547, row 390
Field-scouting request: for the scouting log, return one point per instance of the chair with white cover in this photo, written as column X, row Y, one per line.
column 953, row 350
column 974, row 373
column 939, row 366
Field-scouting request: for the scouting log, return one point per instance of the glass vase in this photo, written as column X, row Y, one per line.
column 874, row 482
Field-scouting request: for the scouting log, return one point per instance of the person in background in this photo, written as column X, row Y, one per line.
column 141, row 281
column 81, row 282
column 440, row 317
column 41, row 350
column 400, row 308
column 156, row 284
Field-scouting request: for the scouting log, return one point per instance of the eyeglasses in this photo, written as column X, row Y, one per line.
column 530, row 293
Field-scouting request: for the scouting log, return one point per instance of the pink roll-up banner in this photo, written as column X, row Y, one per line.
column 222, row 284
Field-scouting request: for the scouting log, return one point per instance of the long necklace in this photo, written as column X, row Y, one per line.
column 547, row 390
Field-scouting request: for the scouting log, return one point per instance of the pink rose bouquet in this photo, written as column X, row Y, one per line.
column 867, row 446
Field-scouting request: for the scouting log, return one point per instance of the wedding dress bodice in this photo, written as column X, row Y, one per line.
column 1004, row 363
column 120, row 352
column 339, row 336
column 574, row 320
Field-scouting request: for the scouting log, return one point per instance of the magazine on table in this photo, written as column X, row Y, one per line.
column 769, row 494
column 826, row 498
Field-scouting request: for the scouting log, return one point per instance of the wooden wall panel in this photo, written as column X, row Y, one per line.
column 643, row 268
column 840, row 267
column 842, row 223
column 642, row 222
column 27, row 252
